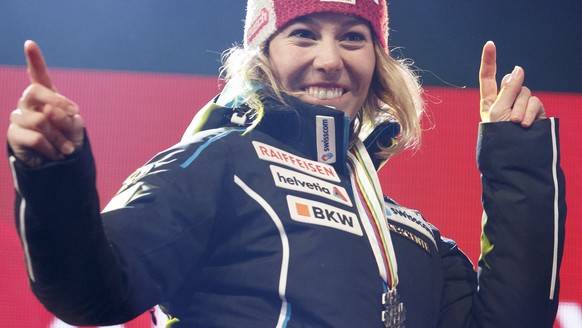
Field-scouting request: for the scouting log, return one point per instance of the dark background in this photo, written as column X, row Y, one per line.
column 443, row 37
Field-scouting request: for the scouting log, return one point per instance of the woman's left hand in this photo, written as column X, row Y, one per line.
column 514, row 102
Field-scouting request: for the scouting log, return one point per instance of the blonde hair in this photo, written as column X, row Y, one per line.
column 395, row 93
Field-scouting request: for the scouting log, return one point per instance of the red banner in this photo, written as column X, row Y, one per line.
column 131, row 116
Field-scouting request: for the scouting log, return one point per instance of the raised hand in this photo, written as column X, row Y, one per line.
column 514, row 102
column 45, row 126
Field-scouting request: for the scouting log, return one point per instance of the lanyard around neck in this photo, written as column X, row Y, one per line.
column 370, row 204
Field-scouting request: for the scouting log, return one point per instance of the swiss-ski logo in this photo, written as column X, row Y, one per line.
column 410, row 218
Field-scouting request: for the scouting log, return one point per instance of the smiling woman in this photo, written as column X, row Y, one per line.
column 270, row 211
column 325, row 59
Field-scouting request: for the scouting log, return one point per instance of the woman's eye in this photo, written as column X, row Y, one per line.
column 354, row 37
column 304, row 34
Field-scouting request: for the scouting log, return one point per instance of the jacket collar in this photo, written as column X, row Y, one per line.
column 320, row 133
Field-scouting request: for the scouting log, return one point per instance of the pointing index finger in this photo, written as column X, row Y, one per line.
column 36, row 66
column 487, row 72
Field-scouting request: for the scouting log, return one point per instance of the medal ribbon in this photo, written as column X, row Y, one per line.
column 371, row 205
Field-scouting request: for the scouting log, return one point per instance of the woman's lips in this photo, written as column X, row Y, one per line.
column 324, row 93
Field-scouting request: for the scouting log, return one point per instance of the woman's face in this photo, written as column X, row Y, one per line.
column 327, row 58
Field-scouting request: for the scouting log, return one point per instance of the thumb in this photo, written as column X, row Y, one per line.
column 36, row 66
column 510, row 88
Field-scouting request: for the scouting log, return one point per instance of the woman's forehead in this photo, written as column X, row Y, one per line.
column 329, row 18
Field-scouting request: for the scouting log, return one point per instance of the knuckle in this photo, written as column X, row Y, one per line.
column 60, row 101
column 50, row 111
column 535, row 100
column 31, row 90
column 12, row 131
column 27, row 91
column 35, row 121
column 15, row 115
column 29, row 96
column 36, row 141
column 36, row 95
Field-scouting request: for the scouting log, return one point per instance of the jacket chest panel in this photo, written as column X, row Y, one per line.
column 311, row 200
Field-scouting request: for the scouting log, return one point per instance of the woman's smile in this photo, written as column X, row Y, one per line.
column 325, row 59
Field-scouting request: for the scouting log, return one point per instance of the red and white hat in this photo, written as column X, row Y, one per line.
column 265, row 17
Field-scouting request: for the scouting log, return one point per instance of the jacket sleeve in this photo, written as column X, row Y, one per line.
column 67, row 257
column 523, row 224
column 89, row 268
column 523, row 233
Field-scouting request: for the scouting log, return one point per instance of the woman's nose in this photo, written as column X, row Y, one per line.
column 328, row 58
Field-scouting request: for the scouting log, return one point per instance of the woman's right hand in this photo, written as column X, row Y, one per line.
column 45, row 126
column 514, row 102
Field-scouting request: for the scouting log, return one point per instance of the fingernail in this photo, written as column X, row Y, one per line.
column 67, row 148
column 516, row 72
column 506, row 79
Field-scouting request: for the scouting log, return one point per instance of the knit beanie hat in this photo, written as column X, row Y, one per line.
column 265, row 17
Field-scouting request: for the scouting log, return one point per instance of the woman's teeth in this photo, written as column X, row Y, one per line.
column 324, row 93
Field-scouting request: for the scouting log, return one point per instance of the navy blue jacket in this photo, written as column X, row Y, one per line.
column 234, row 229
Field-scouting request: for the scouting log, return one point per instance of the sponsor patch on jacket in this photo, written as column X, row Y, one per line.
column 409, row 218
column 325, row 139
column 413, row 237
column 276, row 155
column 293, row 180
column 312, row 212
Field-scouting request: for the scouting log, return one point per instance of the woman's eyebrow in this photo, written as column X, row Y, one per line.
column 310, row 19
